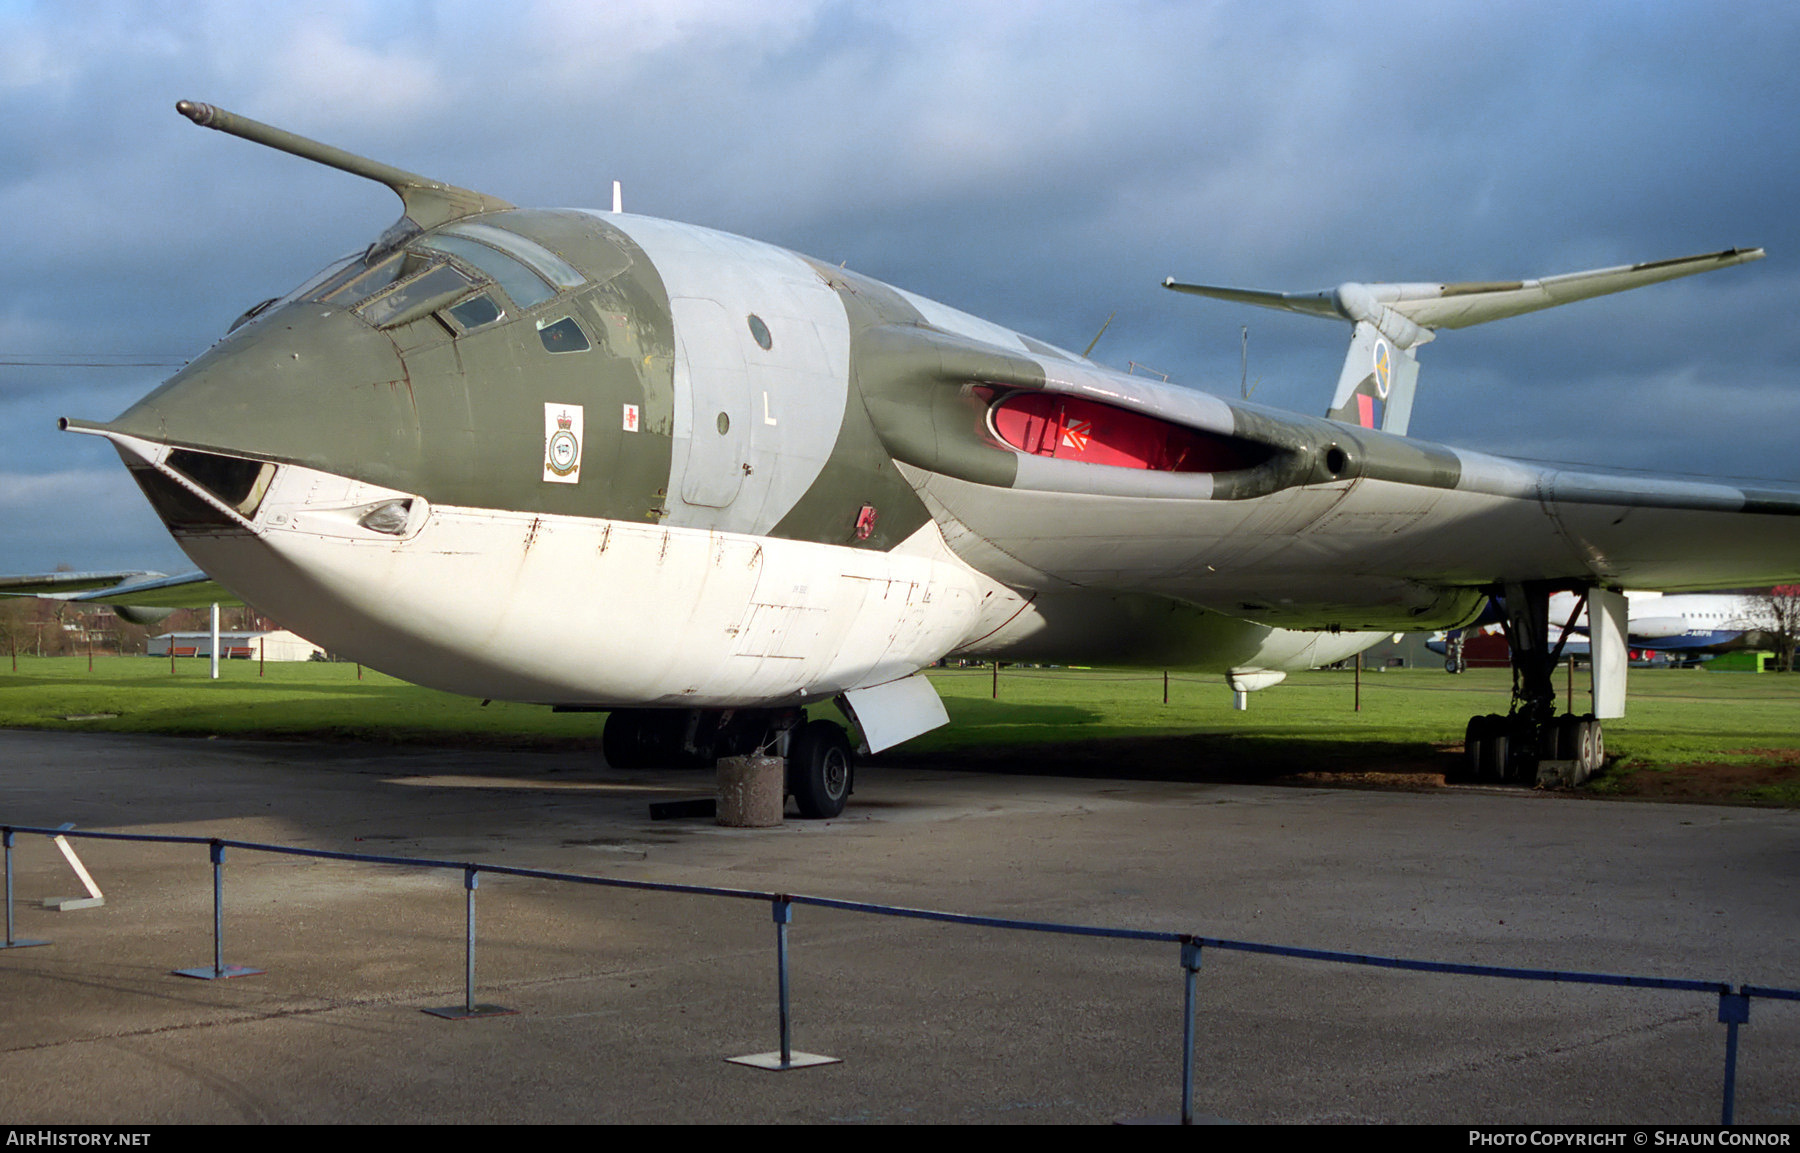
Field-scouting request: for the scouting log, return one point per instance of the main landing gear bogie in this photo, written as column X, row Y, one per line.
column 1511, row 749
column 821, row 763
column 1501, row 750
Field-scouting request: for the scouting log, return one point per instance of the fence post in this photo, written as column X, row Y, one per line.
column 468, row 1009
column 783, row 910
column 470, row 881
column 218, row 968
column 1190, row 964
column 783, row 1058
column 11, row 942
column 1734, row 1010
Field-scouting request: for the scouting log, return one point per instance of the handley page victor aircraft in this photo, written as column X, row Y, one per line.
column 601, row 461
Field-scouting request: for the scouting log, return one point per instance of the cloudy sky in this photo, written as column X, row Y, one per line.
column 1041, row 165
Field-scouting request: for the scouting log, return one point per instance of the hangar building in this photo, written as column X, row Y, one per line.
column 274, row 645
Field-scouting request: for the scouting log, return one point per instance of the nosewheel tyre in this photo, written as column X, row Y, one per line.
column 821, row 769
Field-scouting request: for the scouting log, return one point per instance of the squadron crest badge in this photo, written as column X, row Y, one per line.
column 562, row 443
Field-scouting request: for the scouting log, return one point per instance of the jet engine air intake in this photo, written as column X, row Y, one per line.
column 1088, row 432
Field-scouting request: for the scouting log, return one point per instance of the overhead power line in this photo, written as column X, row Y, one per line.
column 127, row 360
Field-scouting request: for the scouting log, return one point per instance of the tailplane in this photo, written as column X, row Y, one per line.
column 1381, row 372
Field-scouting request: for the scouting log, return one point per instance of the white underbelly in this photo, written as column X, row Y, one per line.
column 568, row 610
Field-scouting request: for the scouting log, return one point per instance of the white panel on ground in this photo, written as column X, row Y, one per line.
column 94, row 895
column 1606, row 632
column 897, row 711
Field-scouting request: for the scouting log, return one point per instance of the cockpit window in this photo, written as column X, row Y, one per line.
column 562, row 335
column 388, row 287
column 426, row 292
column 528, row 252
column 520, row 283
column 360, row 281
column 333, row 273
column 475, row 312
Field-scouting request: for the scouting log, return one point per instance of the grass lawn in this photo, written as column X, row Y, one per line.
column 1690, row 735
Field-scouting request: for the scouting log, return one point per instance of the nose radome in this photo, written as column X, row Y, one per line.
column 310, row 384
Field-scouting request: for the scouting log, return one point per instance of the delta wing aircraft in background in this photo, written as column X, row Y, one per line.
column 602, row 461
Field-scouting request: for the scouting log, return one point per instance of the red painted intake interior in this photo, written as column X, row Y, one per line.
column 1074, row 428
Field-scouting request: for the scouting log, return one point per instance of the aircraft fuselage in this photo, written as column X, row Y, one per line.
column 622, row 461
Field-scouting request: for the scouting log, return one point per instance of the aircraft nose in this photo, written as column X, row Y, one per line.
column 309, row 384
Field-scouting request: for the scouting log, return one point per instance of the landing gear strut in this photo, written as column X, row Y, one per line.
column 1508, row 749
column 821, row 767
column 1454, row 660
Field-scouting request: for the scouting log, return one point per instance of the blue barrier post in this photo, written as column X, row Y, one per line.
column 1734, row 1010
column 1190, row 964
column 470, row 881
column 783, row 910
column 783, row 1058
column 469, row 1008
column 11, row 942
column 219, row 968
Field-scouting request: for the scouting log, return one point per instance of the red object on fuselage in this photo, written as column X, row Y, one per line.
column 1073, row 428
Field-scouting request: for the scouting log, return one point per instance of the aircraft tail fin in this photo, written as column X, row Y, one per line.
column 1375, row 389
column 1381, row 371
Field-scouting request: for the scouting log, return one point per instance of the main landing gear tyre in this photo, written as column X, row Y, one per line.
column 1592, row 747
column 1565, row 739
column 1579, row 739
column 1471, row 758
column 820, row 769
column 1486, row 744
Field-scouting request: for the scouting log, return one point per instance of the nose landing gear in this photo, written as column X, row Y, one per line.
column 821, row 769
column 821, row 765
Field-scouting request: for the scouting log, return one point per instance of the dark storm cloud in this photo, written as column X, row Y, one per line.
column 1039, row 165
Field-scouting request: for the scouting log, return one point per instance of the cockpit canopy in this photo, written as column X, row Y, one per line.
column 471, row 273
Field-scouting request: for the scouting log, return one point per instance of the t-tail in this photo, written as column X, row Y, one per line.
column 1391, row 321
